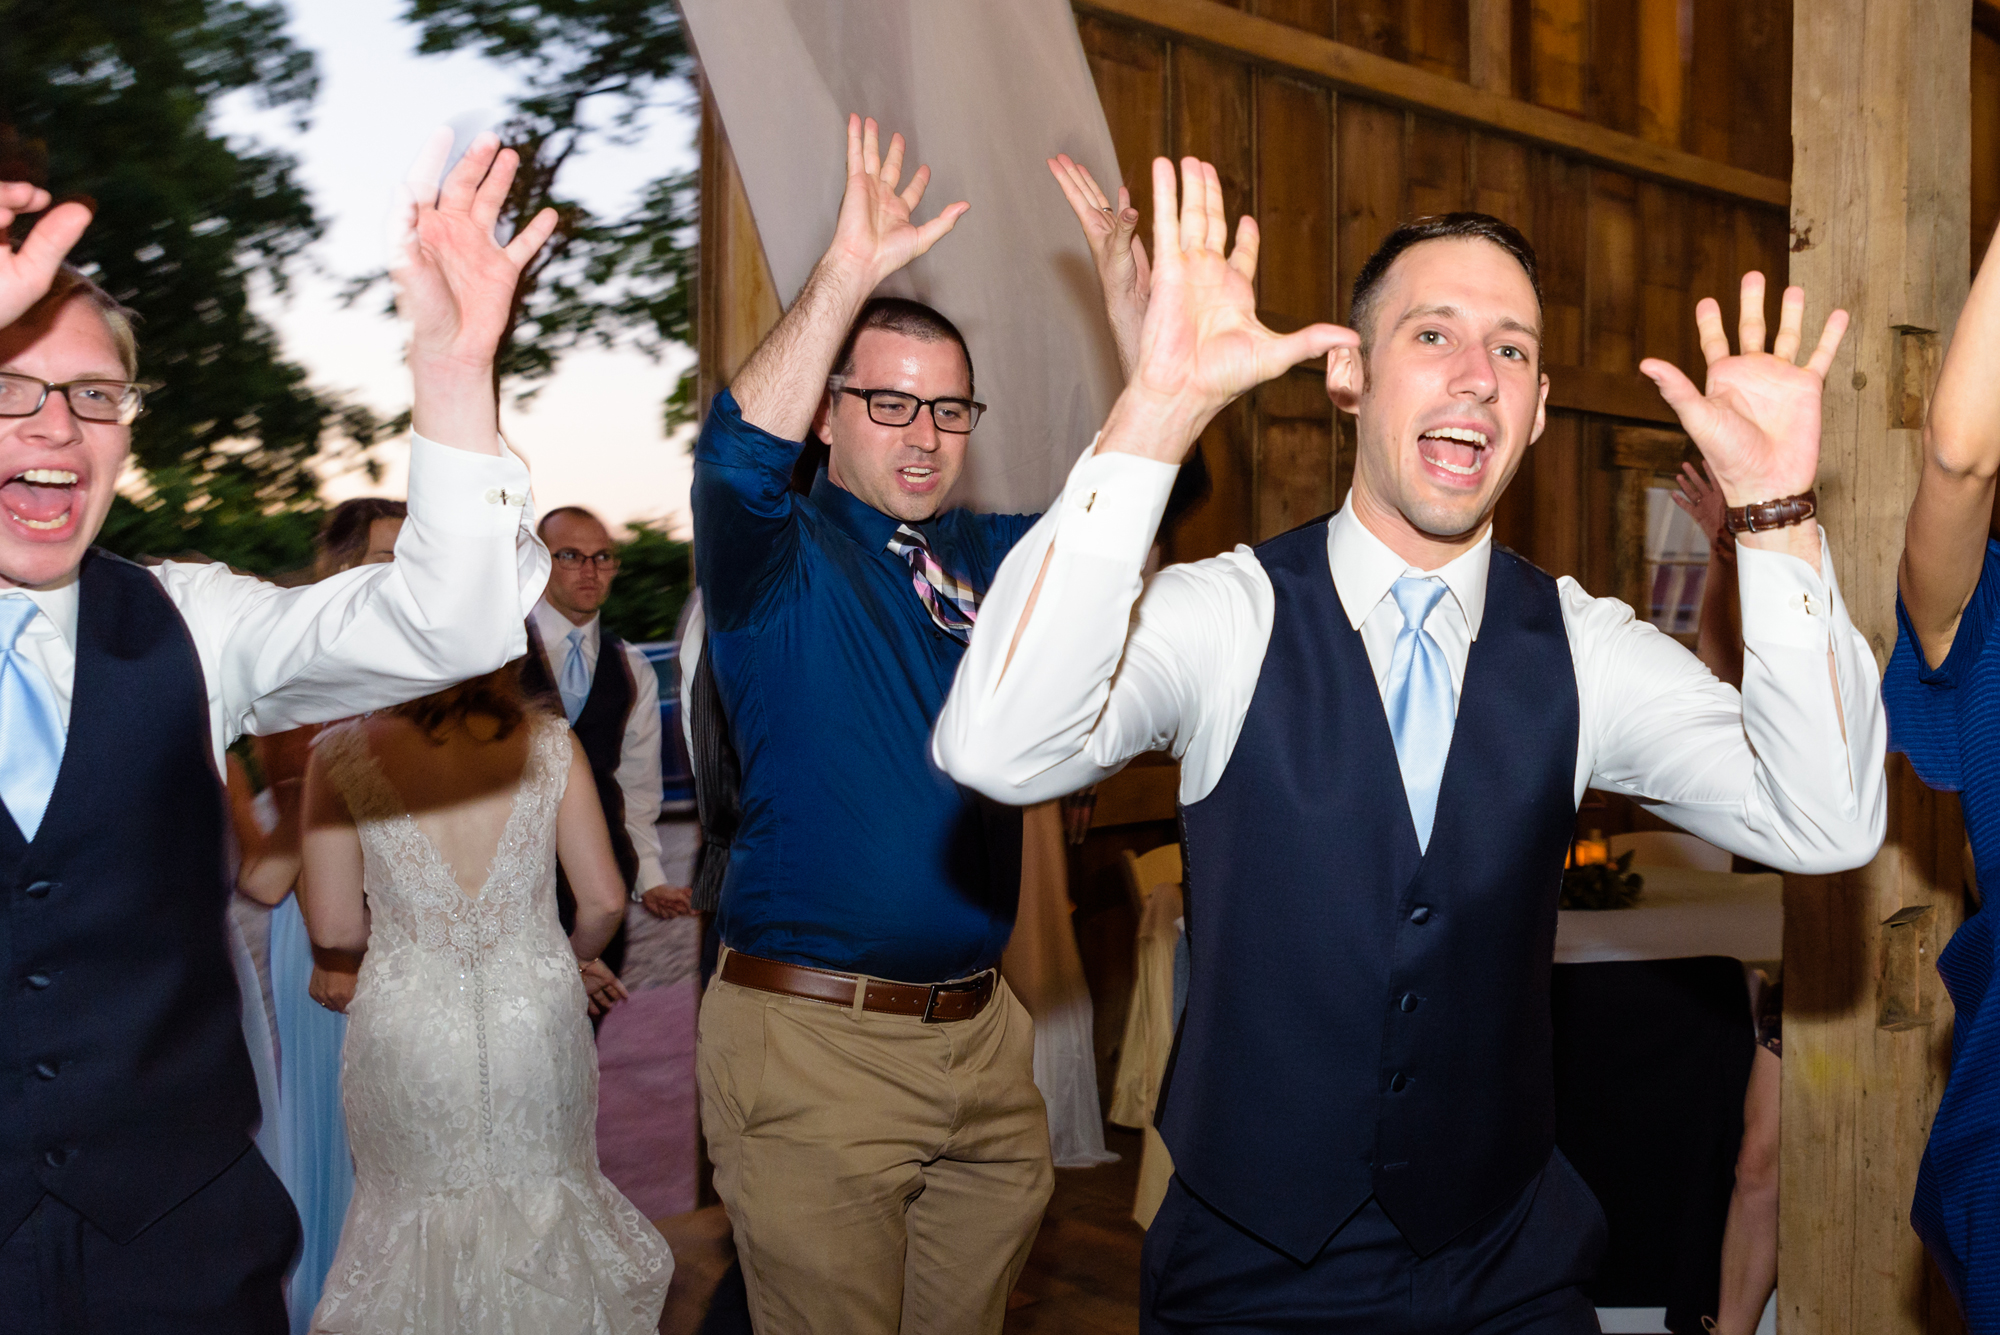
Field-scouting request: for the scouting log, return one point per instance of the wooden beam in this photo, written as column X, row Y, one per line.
column 1880, row 132
column 1490, row 25
column 1379, row 78
column 1608, row 394
column 736, row 299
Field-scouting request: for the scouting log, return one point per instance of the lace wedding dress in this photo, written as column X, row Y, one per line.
column 470, row 1082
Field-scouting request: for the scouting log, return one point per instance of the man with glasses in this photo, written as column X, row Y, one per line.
column 131, row 1195
column 608, row 692
column 867, row 1080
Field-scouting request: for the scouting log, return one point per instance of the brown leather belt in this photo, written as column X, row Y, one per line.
column 935, row 1003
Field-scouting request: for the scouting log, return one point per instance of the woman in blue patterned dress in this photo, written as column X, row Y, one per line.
column 1943, row 695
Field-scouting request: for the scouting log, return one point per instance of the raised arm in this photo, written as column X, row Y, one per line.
column 1050, row 698
column 1944, row 543
column 1116, row 251
column 25, row 273
column 780, row 387
column 1719, row 634
column 455, row 284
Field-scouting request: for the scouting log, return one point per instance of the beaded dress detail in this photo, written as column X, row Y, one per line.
column 469, row 1078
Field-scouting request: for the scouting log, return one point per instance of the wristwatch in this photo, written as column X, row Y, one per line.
column 1766, row 515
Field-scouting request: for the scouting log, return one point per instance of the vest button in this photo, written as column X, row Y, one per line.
column 38, row 981
column 56, row 1158
column 1409, row 1002
column 41, row 888
column 45, row 1071
column 1420, row 915
column 1398, row 1083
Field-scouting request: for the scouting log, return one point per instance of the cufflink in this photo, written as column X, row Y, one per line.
column 1810, row 603
column 501, row 496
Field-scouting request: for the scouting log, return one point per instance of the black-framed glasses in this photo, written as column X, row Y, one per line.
column 892, row 407
column 118, row 401
column 569, row 558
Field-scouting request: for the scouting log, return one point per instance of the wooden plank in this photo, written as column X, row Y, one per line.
column 1559, row 39
column 1613, row 316
column 1314, row 16
column 1212, row 119
column 1500, row 180
column 1371, row 186
column 1295, row 452
column 1294, row 202
column 1440, row 37
column 1880, row 123
column 1437, row 166
column 1374, row 26
column 1761, row 57
column 1556, row 476
column 1490, row 38
column 1661, row 62
column 1561, row 192
column 1352, row 69
column 1611, row 73
column 1624, row 394
column 1985, row 140
column 1711, row 79
column 1666, row 311
column 1130, row 71
column 737, row 301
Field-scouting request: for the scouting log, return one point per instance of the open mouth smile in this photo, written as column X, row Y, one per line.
column 1454, row 450
column 40, row 500
column 917, row 477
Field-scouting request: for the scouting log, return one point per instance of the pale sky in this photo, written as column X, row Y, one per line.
column 593, row 435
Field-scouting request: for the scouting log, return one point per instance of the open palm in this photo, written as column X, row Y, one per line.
column 1202, row 344
column 25, row 274
column 1758, row 421
column 875, row 231
column 455, row 282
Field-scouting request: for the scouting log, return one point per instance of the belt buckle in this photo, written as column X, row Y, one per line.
column 948, row 990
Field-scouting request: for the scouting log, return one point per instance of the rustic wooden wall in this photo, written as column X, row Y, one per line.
column 1330, row 162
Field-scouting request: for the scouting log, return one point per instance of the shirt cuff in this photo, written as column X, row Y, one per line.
column 1112, row 503
column 1785, row 601
column 466, row 494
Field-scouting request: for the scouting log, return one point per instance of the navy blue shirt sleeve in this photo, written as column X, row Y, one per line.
column 1924, row 703
column 745, row 515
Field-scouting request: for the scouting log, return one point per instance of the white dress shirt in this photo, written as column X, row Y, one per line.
column 1096, row 680
column 639, row 753
column 449, row 607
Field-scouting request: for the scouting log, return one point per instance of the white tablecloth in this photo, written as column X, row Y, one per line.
column 1681, row 913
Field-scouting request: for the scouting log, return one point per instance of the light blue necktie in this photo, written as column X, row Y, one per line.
column 31, row 728
column 575, row 684
column 1420, row 702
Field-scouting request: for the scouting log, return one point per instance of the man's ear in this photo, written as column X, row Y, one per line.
column 1541, row 412
column 1346, row 378
column 822, row 424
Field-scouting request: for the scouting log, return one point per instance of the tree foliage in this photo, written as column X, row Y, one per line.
column 114, row 100
column 593, row 71
column 654, row 579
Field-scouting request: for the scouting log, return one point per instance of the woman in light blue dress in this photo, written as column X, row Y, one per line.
column 313, row 1158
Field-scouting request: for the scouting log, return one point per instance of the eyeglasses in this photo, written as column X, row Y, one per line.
column 118, row 401
column 892, row 407
column 569, row 558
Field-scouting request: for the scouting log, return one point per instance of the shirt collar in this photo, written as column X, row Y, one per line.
column 555, row 627
column 58, row 603
column 1364, row 570
column 860, row 520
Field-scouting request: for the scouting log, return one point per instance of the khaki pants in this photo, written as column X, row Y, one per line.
column 881, row 1174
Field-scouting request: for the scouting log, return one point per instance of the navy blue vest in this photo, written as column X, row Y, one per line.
column 600, row 730
column 1362, row 1018
column 124, row 1082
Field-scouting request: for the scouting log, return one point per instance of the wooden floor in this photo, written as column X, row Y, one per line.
column 1083, row 1276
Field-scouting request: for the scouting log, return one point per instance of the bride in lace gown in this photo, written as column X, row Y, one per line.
column 469, row 1072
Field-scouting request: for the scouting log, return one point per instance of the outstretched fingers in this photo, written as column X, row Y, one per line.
column 929, row 234
column 531, row 238
column 422, row 179
column 1688, row 403
column 1829, row 344
column 18, row 197
column 913, row 194
column 892, row 166
column 461, row 183
column 1285, row 351
column 1708, row 325
column 1217, row 238
column 491, row 196
column 50, row 239
column 1791, row 324
column 1194, row 206
column 1166, row 214
column 871, row 147
column 1750, row 326
column 1244, row 258
column 853, row 144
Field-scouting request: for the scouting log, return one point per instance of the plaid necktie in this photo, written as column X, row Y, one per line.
column 953, row 604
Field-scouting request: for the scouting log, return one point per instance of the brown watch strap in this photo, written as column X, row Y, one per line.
column 1766, row 515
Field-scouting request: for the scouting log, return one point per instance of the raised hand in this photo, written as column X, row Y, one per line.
column 1758, row 421
column 1201, row 344
column 455, row 282
column 875, row 235
column 1702, row 500
column 1115, row 250
column 25, row 274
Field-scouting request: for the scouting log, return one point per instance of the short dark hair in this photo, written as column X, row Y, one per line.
column 542, row 528
column 900, row 315
column 1438, row 227
column 343, row 537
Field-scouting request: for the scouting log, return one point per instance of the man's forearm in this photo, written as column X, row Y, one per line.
column 455, row 404
column 779, row 388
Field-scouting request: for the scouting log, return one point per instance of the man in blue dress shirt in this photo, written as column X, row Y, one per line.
column 866, row 1078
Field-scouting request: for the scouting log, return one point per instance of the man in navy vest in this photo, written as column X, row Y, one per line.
column 1385, row 724
column 607, row 690
column 131, row 1196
